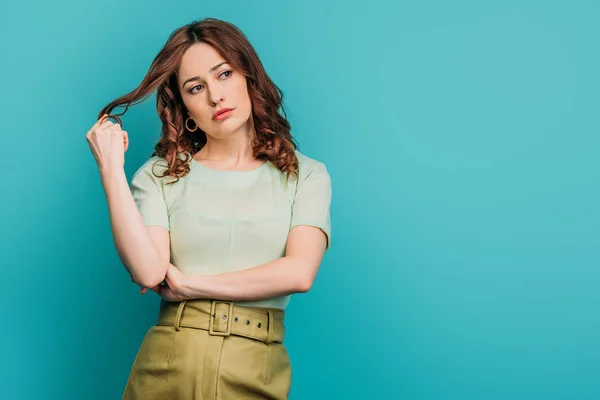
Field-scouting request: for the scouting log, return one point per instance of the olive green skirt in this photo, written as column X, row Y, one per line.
column 203, row 349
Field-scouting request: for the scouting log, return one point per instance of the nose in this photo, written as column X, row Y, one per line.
column 216, row 96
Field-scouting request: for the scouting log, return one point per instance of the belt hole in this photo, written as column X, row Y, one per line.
column 235, row 319
column 259, row 324
column 247, row 322
column 224, row 317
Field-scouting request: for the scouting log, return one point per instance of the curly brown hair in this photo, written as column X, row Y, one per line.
column 273, row 141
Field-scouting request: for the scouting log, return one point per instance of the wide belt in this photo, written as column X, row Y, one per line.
column 223, row 318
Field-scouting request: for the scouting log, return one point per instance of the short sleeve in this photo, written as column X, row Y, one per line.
column 148, row 194
column 312, row 200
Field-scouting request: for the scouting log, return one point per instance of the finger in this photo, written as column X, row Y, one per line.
column 97, row 123
column 105, row 125
column 104, row 118
column 116, row 128
column 101, row 119
column 156, row 289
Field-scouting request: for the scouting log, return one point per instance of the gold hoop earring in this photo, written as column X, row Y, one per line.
column 186, row 125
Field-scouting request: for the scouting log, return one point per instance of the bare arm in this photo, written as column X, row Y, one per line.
column 293, row 273
column 143, row 250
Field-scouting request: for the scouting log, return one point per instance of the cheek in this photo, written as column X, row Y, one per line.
column 192, row 107
column 244, row 99
column 197, row 109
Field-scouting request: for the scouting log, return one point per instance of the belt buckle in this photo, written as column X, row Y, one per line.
column 213, row 315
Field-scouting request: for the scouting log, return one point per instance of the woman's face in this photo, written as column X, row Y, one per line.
column 208, row 84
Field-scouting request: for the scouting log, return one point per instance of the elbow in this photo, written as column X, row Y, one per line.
column 147, row 282
column 151, row 280
column 305, row 284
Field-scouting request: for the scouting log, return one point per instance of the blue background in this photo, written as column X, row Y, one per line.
column 462, row 140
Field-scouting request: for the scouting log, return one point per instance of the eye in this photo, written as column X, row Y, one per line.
column 192, row 88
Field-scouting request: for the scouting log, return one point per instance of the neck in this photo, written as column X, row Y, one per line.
column 235, row 149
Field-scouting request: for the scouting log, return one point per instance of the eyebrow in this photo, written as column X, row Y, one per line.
column 197, row 78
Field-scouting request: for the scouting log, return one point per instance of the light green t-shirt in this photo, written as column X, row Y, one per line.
column 224, row 221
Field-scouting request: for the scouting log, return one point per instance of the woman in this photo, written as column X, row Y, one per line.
column 225, row 221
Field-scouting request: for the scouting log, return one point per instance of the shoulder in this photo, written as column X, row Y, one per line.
column 149, row 170
column 312, row 174
column 154, row 164
column 308, row 165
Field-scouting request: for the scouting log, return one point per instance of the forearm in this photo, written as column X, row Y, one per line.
column 132, row 241
column 280, row 277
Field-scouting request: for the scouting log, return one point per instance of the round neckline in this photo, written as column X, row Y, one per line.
column 230, row 171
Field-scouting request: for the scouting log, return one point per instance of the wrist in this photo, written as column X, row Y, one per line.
column 108, row 175
column 191, row 287
column 109, row 172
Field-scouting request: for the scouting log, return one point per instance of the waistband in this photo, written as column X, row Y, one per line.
column 223, row 318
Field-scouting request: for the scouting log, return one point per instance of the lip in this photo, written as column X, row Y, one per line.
column 223, row 113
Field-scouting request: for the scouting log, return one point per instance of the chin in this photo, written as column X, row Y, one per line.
column 233, row 124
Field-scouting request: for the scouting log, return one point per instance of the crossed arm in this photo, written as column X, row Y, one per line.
column 293, row 273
